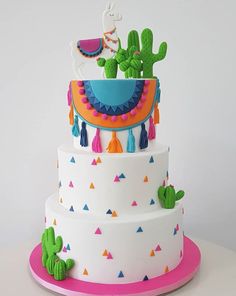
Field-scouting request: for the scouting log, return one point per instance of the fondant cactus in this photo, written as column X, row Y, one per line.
column 133, row 40
column 147, row 56
column 50, row 245
column 132, row 66
column 110, row 67
column 61, row 267
column 51, row 263
column 168, row 196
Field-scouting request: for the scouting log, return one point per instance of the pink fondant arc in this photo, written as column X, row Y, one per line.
column 153, row 287
column 90, row 45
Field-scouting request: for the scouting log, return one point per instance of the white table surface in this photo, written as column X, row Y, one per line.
column 217, row 275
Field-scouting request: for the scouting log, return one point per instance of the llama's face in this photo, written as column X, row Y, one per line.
column 111, row 15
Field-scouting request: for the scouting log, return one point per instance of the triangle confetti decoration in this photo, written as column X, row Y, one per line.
column 99, row 160
column 167, row 175
column 71, row 209
column 181, row 254
column 164, row 183
column 175, row 231
column 177, row 227
column 85, row 272
column 183, row 211
column 64, row 250
column 105, row 253
column 54, row 222
column 61, row 200
column 158, row 248
column 98, row 231
column 109, row 212
column 114, row 214
column 145, row 278
column 152, row 253
column 94, row 162
column 152, row 202
column 151, row 160
column 145, row 179
column 68, row 247
column 122, row 176
column 109, row 256
column 85, row 208
column 134, row 204
column 72, row 160
column 166, row 269
column 57, row 164
column 139, row 229
column 59, row 185
column 71, row 184
column 120, row 275
column 117, row 179
column 91, row 186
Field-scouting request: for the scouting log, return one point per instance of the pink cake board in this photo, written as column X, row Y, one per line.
column 170, row 281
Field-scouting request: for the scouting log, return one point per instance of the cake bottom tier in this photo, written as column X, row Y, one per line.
column 118, row 250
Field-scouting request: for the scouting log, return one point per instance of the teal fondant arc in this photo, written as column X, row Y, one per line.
column 113, row 93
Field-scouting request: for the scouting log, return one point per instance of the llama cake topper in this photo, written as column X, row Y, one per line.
column 85, row 51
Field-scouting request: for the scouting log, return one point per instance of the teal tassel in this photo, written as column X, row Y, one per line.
column 84, row 135
column 131, row 142
column 143, row 142
column 75, row 128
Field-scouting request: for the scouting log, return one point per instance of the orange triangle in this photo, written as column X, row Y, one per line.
column 61, row 200
column 152, row 253
column 85, row 272
column 54, row 222
column 114, row 214
column 145, row 179
column 105, row 253
column 91, row 186
column 166, row 269
column 99, row 160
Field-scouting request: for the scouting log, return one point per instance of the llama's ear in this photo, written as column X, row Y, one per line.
column 108, row 7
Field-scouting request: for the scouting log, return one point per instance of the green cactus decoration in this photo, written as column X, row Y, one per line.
column 61, row 267
column 132, row 66
column 168, row 196
column 51, row 263
column 133, row 40
column 110, row 67
column 50, row 245
column 147, row 56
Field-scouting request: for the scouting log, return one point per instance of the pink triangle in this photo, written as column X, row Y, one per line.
column 94, row 162
column 71, row 184
column 117, row 179
column 134, row 204
column 98, row 231
column 64, row 250
column 158, row 248
column 177, row 227
column 109, row 256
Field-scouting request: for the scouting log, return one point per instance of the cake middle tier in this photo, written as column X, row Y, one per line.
column 111, row 184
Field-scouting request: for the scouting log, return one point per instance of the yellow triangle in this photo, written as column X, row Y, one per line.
column 166, row 269
column 91, row 186
column 99, row 160
column 114, row 214
column 105, row 253
column 85, row 272
column 145, row 179
column 54, row 222
column 152, row 253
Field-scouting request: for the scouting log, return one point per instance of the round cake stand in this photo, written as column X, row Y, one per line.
column 168, row 282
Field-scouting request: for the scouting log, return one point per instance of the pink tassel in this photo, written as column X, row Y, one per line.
column 152, row 129
column 96, row 144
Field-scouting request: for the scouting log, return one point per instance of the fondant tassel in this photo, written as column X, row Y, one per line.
column 143, row 142
column 69, row 97
column 131, row 142
column 71, row 115
column 83, row 135
column 96, row 144
column 75, row 128
column 152, row 129
column 114, row 146
column 156, row 114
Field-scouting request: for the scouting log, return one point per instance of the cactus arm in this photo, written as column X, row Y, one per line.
column 44, row 251
column 179, row 194
column 161, row 53
column 58, row 244
column 133, row 40
column 161, row 193
column 69, row 264
column 101, row 62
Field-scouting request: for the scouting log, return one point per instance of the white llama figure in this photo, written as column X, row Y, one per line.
column 90, row 50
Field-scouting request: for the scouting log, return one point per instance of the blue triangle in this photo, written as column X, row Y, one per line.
column 109, row 212
column 122, row 176
column 59, row 185
column 167, row 174
column 120, row 275
column 71, row 209
column 145, row 278
column 85, row 208
column 140, row 229
column 72, row 159
column 68, row 247
column 152, row 202
column 151, row 159
column 175, row 231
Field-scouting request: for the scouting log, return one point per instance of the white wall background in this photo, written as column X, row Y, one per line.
column 197, row 109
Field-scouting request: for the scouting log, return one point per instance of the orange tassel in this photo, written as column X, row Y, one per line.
column 71, row 114
column 114, row 146
column 156, row 114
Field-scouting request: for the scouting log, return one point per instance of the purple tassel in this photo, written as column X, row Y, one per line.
column 83, row 136
column 152, row 129
column 96, row 144
column 143, row 141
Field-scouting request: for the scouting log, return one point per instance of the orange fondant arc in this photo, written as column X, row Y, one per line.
column 87, row 114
